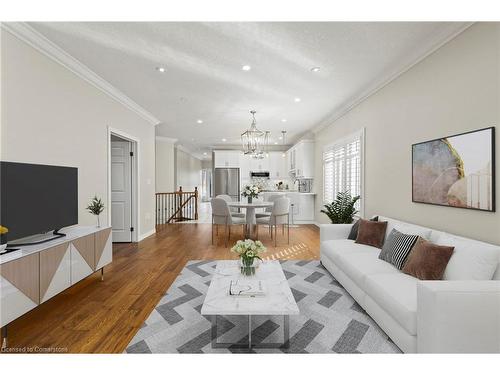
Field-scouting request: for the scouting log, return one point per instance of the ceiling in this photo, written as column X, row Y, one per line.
column 204, row 80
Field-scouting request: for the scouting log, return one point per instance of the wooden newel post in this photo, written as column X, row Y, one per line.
column 179, row 214
column 196, row 202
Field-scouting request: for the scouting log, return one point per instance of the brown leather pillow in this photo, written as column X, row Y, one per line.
column 428, row 261
column 371, row 233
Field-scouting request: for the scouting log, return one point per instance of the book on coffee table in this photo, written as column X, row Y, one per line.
column 247, row 288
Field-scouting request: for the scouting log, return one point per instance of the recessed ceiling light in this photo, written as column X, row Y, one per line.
column 199, row 121
column 275, row 143
column 246, row 68
column 280, row 138
column 224, row 139
column 297, row 100
column 161, row 69
column 283, row 120
column 205, row 154
column 315, row 69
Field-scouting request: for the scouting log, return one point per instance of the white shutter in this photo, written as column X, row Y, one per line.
column 342, row 168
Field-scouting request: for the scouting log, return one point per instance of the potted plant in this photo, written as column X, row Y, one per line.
column 3, row 238
column 95, row 208
column 342, row 210
column 251, row 191
column 248, row 251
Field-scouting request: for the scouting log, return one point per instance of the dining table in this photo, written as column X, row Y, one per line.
column 250, row 218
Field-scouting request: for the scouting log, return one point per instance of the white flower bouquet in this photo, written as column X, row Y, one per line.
column 248, row 251
column 251, row 191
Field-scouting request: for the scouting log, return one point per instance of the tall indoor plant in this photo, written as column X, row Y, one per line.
column 342, row 209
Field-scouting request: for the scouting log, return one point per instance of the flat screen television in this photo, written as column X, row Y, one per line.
column 36, row 199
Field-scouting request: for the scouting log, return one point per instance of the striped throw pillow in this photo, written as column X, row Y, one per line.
column 397, row 247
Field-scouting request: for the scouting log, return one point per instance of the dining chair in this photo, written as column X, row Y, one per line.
column 267, row 212
column 280, row 215
column 233, row 210
column 221, row 215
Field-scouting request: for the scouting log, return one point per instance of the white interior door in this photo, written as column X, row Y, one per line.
column 121, row 191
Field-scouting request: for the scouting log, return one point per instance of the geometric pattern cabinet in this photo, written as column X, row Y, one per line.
column 44, row 270
column 19, row 287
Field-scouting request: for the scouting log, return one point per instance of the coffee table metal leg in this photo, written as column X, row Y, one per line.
column 286, row 331
column 214, row 331
column 249, row 332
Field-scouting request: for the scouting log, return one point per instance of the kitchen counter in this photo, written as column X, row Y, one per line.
column 286, row 192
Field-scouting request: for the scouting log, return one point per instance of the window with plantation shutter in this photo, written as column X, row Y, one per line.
column 342, row 169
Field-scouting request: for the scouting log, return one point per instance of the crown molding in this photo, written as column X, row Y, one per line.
column 29, row 35
column 166, row 139
column 384, row 81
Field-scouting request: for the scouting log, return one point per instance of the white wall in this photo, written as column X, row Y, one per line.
column 187, row 171
column 51, row 116
column 456, row 89
column 165, row 165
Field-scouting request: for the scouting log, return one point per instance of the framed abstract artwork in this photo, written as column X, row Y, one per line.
column 456, row 171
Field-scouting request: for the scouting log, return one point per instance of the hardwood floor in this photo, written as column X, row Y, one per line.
column 97, row 316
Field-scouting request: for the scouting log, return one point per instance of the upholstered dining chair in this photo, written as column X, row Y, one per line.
column 222, row 216
column 233, row 210
column 267, row 212
column 280, row 215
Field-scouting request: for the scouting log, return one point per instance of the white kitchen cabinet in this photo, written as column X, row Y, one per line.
column 257, row 165
column 277, row 166
column 244, row 161
column 227, row 159
column 303, row 205
column 301, row 159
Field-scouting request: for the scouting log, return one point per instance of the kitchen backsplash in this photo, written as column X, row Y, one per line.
column 270, row 184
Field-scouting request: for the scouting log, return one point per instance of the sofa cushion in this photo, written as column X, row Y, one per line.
column 332, row 248
column 397, row 247
column 471, row 260
column 396, row 293
column 405, row 228
column 358, row 265
column 427, row 261
column 371, row 233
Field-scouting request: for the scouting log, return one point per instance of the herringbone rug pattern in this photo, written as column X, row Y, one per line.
column 330, row 321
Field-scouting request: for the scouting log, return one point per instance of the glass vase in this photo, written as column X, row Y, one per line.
column 249, row 199
column 248, row 266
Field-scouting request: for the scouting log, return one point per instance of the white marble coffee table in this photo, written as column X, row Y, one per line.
column 278, row 300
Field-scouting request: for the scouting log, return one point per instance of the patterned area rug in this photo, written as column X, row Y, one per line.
column 330, row 321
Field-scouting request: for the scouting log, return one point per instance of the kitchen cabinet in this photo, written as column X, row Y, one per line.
column 227, row 159
column 301, row 159
column 277, row 166
column 303, row 205
column 258, row 165
column 244, row 161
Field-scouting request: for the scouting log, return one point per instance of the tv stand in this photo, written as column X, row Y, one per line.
column 36, row 273
column 55, row 235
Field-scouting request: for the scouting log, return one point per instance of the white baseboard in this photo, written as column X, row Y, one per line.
column 147, row 234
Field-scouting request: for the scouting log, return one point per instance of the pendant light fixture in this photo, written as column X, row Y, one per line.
column 255, row 141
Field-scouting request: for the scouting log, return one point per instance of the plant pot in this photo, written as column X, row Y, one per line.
column 249, row 199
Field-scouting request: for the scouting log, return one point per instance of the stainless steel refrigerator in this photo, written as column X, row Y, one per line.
column 227, row 181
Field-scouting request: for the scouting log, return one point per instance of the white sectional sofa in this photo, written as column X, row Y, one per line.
column 459, row 314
